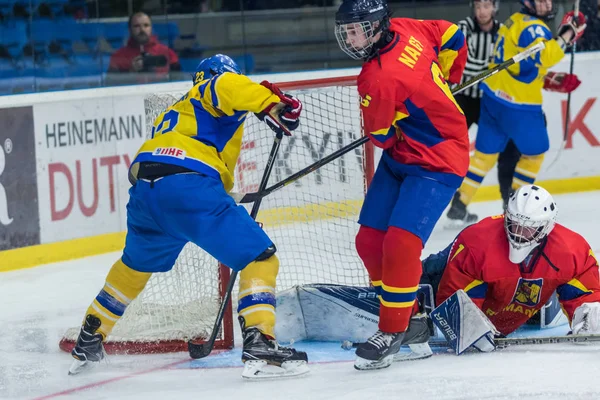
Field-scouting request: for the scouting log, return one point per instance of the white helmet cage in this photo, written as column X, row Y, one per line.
column 529, row 218
column 358, row 53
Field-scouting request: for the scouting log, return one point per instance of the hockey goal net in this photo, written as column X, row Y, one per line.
column 313, row 222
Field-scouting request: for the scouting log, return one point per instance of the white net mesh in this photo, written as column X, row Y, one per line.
column 312, row 222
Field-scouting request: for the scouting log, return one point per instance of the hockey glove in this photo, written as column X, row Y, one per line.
column 573, row 23
column 586, row 319
column 282, row 117
column 561, row 82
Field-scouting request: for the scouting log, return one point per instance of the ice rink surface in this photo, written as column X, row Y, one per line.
column 37, row 305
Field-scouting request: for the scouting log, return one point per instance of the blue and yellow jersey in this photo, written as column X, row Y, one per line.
column 521, row 84
column 203, row 130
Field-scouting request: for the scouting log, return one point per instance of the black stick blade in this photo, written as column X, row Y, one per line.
column 199, row 350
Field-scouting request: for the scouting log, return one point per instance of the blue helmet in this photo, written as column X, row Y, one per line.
column 357, row 17
column 215, row 65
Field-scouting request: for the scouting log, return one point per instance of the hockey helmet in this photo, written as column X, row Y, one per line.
column 529, row 218
column 529, row 7
column 215, row 65
column 357, row 22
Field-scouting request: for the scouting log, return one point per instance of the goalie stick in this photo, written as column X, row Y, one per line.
column 201, row 350
column 502, row 343
column 250, row 197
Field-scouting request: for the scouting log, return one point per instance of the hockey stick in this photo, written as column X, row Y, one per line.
column 568, row 110
column 502, row 343
column 250, row 197
column 201, row 350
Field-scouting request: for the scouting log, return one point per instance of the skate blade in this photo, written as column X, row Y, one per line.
column 78, row 367
column 362, row 364
column 261, row 370
column 418, row 351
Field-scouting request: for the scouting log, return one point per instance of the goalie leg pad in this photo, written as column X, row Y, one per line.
column 122, row 285
column 257, row 294
column 464, row 324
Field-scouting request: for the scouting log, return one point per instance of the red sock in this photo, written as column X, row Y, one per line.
column 401, row 272
column 369, row 245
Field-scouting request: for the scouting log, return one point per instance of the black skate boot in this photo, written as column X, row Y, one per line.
column 88, row 347
column 458, row 215
column 420, row 329
column 264, row 358
column 378, row 352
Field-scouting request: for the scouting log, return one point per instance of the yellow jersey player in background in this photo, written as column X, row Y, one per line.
column 181, row 178
column 511, row 105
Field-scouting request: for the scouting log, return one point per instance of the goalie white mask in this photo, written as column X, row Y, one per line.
column 530, row 216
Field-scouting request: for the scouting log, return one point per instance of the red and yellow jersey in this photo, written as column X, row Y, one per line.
column 510, row 294
column 203, row 130
column 520, row 85
column 406, row 104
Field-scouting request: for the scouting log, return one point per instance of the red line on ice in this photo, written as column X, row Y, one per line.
column 120, row 378
column 106, row 381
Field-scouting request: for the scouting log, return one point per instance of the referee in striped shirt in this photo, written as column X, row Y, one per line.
column 481, row 32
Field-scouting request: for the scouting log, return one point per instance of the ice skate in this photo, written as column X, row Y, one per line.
column 458, row 216
column 378, row 352
column 88, row 348
column 264, row 358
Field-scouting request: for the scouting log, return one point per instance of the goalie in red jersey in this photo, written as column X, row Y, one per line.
column 409, row 112
column 508, row 266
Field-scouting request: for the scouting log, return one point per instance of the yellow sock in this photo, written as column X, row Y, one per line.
column 122, row 285
column 257, row 294
column 527, row 170
column 479, row 165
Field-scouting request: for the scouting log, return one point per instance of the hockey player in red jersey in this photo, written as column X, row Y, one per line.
column 409, row 112
column 509, row 266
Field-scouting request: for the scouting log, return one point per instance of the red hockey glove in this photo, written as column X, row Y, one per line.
column 561, row 82
column 575, row 24
column 283, row 116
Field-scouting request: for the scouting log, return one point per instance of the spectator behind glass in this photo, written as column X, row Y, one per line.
column 143, row 53
column 590, row 41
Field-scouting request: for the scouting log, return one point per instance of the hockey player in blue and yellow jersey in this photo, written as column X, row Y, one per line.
column 511, row 106
column 181, row 178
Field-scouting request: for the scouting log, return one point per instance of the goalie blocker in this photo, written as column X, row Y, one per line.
column 463, row 324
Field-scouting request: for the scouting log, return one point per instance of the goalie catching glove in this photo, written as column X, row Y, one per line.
column 561, row 82
column 586, row 319
column 282, row 117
